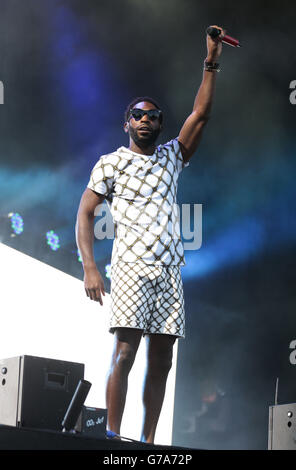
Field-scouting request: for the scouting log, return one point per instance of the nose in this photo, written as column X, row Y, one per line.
column 145, row 118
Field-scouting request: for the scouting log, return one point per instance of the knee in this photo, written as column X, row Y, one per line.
column 124, row 357
column 161, row 363
column 167, row 360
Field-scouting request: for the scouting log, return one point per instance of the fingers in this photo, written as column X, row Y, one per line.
column 221, row 35
column 95, row 294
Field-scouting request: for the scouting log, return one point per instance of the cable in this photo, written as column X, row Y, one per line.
column 112, row 435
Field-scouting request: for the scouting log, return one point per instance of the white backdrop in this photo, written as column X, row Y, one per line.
column 46, row 313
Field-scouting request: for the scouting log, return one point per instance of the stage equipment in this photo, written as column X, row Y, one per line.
column 35, row 392
column 282, row 427
column 75, row 407
column 92, row 422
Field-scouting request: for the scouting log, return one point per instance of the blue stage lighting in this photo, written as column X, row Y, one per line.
column 17, row 223
column 53, row 240
column 108, row 270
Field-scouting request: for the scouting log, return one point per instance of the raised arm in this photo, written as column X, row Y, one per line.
column 93, row 281
column 191, row 131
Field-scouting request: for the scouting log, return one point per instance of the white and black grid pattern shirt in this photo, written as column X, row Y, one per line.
column 142, row 194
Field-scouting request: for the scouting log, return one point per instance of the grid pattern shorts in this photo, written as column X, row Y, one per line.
column 147, row 297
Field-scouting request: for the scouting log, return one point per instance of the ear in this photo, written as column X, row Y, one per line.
column 126, row 127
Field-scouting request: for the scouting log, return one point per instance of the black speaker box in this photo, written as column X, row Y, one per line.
column 282, row 427
column 35, row 392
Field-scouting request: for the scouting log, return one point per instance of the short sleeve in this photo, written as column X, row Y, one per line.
column 174, row 147
column 102, row 178
column 180, row 162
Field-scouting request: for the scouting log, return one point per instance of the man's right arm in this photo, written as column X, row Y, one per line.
column 93, row 281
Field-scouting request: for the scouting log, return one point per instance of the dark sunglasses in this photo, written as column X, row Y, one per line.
column 138, row 113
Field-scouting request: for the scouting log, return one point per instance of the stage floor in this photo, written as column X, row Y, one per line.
column 13, row 438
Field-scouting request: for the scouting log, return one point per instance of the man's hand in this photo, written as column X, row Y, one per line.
column 214, row 45
column 94, row 284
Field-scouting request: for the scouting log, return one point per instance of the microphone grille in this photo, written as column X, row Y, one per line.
column 213, row 32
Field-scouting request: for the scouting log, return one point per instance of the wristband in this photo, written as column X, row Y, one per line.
column 211, row 66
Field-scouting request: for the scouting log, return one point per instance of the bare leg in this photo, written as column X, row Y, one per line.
column 160, row 354
column 126, row 343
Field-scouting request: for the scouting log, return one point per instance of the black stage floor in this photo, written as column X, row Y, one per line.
column 54, row 448
column 13, row 438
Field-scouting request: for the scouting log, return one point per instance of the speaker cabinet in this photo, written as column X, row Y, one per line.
column 282, row 427
column 35, row 392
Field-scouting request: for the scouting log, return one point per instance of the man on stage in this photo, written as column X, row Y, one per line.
column 140, row 183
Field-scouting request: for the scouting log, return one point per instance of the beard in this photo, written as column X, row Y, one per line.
column 145, row 140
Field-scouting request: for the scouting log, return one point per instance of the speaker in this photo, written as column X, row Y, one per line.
column 282, row 427
column 35, row 392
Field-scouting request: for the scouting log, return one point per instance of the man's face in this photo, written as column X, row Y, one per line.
column 145, row 131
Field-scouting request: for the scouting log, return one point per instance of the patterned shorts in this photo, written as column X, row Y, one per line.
column 147, row 297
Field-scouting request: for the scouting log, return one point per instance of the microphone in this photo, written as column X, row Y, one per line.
column 215, row 32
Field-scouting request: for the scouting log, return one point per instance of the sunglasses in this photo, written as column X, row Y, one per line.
column 152, row 114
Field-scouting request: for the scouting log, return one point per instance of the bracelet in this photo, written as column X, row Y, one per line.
column 211, row 66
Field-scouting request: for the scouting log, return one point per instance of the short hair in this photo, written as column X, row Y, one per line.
column 139, row 99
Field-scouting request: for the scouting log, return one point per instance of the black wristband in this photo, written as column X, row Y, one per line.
column 211, row 66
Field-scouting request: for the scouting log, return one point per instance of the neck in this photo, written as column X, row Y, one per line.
column 142, row 150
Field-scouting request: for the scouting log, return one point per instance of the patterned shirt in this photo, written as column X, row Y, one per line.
column 141, row 191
